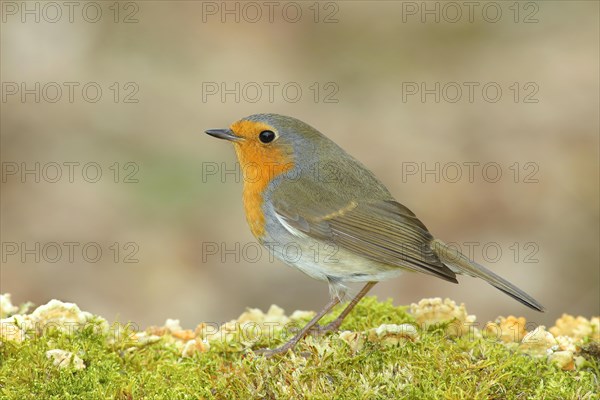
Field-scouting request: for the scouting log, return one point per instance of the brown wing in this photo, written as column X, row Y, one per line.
column 381, row 230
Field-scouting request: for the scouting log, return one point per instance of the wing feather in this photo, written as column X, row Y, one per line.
column 381, row 230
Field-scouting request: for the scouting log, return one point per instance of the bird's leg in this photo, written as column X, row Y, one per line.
column 335, row 324
column 292, row 342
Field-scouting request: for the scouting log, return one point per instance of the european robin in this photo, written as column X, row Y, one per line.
column 320, row 210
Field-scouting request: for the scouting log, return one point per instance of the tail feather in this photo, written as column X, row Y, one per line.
column 461, row 264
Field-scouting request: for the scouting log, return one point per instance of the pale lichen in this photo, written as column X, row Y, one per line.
column 435, row 311
column 6, row 307
column 509, row 329
column 65, row 359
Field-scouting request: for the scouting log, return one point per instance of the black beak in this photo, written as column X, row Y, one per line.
column 226, row 134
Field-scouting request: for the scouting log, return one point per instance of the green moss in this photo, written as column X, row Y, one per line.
column 434, row 366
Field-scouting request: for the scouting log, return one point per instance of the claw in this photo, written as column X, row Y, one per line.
column 268, row 353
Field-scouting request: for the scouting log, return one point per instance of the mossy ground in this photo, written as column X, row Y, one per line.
column 433, row 367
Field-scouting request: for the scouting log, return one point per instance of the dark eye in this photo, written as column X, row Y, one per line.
column 266, row 136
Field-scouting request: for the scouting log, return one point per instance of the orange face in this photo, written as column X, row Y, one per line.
column 252, row 153
column 260, row 163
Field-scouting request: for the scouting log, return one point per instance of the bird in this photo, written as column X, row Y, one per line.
column 318, row 209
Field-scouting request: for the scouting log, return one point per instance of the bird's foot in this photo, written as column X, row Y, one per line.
column 320, row 330
column 316, row 330
column 268, row 353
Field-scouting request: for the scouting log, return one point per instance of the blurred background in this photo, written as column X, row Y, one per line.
column 484, row 121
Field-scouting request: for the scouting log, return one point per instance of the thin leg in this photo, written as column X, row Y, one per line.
column 335, row 324
column 290, row 344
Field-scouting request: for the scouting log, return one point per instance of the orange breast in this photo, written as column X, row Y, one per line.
column 260, row 164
